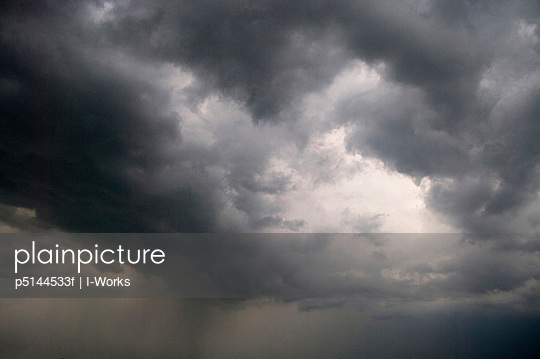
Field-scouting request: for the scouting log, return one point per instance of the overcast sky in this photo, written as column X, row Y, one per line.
column 312, row 116
column 307, row 116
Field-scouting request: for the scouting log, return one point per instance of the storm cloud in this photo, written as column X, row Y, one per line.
column 279, row 116
column 93, row 125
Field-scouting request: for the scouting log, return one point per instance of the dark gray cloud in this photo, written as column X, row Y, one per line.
column 80, row 140
column 92, row 140
column 265, row 54
column 268, row 53
column 83, row 124
column 465, row 114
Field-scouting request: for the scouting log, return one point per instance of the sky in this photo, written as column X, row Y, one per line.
column 311, row 116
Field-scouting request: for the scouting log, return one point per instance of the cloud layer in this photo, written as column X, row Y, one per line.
column 280, row 116
column 134, row 117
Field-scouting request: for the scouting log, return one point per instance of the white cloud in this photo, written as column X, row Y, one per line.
column 326, row 187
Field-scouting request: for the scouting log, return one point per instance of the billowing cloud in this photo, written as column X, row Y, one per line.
column 280, row 116
column 96, row 96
